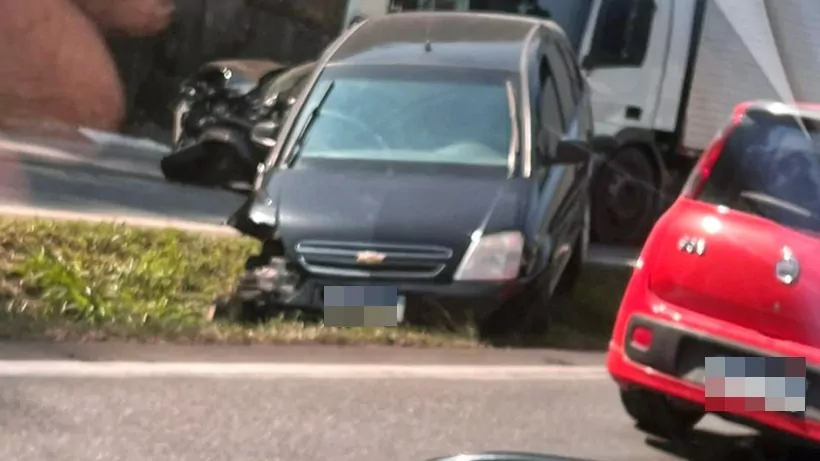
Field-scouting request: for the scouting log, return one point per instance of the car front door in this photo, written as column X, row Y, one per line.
column 556, row 181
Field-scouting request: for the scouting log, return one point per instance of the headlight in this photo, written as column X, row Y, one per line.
column 492, row 257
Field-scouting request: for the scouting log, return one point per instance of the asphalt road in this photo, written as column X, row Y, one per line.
column 126, row 183
column 285, row 412
column 31, row 182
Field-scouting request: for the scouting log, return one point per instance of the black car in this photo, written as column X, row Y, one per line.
column 224, row 120
column 444, row 154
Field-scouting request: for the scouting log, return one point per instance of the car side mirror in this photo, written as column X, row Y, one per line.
column 264, row 133
column 603, row 144
column 572, row 151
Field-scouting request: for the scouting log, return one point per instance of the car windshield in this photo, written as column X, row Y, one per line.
column 422, row 117
column 770, row 166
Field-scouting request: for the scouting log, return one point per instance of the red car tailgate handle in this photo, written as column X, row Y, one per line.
column 788, row 268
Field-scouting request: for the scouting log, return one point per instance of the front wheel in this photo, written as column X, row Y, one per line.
column 522, row 317
column 572, row 272
column 252, row 299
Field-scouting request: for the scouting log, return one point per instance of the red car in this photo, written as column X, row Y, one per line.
column 731, row 269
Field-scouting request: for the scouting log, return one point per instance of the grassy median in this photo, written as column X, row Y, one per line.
column 77, row 280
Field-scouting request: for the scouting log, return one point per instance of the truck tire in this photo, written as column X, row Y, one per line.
column 656, row 415
column 625, row 198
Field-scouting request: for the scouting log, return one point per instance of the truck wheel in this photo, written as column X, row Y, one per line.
column 625, row 197
column 655, row 414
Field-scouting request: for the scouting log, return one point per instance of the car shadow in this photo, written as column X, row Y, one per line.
column 704, row 445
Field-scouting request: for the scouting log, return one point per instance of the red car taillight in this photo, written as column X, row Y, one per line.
column 641, row 338
column 697, row 179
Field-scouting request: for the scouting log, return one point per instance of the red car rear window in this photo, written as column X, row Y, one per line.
column 770, row 166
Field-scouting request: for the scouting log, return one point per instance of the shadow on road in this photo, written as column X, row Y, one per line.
column 83, row 188
column 703, row 445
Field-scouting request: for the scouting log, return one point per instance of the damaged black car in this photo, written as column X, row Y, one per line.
column 419, row 160
column 225, row 120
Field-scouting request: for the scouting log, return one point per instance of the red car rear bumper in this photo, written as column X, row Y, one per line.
column 682, row 339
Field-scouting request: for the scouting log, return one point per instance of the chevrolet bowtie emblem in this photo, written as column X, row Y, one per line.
column 369, row 257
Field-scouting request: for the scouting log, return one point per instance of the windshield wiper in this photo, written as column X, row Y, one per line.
column 777, row 203
column 297, row 143
column 514, row 139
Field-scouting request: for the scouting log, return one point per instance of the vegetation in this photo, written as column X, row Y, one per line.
column 79, row 280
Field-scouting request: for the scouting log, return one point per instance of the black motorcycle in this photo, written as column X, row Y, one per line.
column 225, row 121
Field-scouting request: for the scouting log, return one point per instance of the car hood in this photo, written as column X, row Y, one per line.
column 411, row 209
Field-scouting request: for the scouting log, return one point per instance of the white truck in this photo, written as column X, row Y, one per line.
column 665, row 75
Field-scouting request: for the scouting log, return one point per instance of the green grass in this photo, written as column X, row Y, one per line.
column 584, row 320
column 91, row 281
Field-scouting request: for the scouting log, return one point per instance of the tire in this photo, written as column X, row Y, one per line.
column 575, row 266
column 656, row 415
column 249, row 302
column 625, row 198
column 572, row 272
column 523, row 317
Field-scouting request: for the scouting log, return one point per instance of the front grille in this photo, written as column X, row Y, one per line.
column 392, row 261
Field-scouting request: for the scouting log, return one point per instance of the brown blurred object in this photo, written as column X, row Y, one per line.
column 56, row 62
column 135, row 18
column 117, row 64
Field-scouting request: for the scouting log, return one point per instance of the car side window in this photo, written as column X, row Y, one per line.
column 622, row 33
column 563, row 83
column 550, row 116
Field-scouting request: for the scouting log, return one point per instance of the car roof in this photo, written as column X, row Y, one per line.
column 801, row 109
column 456, row 39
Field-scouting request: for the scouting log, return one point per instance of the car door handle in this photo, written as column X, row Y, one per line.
column 692, row 245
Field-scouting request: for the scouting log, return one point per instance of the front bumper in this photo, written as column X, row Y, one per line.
column 478, row 298
column 666, row 367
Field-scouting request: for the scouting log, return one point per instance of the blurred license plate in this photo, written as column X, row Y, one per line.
column 376, row 305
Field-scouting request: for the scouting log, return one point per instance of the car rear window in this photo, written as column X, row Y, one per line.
column 770, row 166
